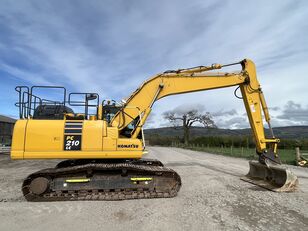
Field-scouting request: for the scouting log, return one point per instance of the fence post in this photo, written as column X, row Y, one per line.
column 298, row 155
column 231, row 149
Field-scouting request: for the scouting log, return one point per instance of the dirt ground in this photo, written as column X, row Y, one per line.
column 212, row 197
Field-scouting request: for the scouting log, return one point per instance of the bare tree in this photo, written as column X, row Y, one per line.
column 187, row 119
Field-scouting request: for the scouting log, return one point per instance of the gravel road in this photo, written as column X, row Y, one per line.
column 212, row 197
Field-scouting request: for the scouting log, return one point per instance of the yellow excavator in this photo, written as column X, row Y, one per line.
column 103, row 146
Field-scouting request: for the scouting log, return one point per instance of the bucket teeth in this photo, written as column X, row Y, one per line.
column 272, row 177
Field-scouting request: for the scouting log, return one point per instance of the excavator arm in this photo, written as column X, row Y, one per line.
column 266, row 172
column 200, row 79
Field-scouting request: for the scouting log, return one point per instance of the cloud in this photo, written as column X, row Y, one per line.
column 222, row 118
column 185, row 108
column 111, row 47
column 291, row 114
column 233, row 123
column 150, row 120
column 274, row 108
column 294, row 113
column 225, row 113
column 230, row 119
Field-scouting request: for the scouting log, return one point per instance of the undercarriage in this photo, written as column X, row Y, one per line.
column 102, row 180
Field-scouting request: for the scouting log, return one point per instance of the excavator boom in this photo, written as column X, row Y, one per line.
column 265, row 172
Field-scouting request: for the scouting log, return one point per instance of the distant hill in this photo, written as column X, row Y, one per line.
column 290, row 132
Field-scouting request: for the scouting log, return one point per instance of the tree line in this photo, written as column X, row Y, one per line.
column 224, row 141
column 187, row 117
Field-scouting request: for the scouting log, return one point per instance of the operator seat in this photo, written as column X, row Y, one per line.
column 51, row 112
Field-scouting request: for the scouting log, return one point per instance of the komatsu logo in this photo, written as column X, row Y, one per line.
column 128, row 145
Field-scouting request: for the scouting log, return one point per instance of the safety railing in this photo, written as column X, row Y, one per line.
column 28, row 102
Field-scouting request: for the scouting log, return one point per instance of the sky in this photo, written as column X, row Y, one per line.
column 111, row 47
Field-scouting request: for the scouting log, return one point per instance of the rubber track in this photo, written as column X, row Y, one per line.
column 100, row 194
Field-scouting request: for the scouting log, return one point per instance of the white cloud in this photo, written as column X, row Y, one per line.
column 225, row 113
column 293, row 114
column 233, row 123
column 113, row 47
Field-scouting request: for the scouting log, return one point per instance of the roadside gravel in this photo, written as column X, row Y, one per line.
column 212, row 197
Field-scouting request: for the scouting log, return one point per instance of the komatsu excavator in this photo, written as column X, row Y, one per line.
column 104, row 145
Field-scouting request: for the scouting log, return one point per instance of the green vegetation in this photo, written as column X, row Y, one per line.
column 231, row 145
column 291, row 132
column 287, row 155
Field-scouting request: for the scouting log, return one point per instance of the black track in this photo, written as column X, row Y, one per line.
column 165, row 182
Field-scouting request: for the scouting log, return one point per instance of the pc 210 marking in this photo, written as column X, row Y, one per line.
column 72, row 142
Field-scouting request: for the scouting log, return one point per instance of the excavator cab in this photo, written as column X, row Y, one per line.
column 110, row 109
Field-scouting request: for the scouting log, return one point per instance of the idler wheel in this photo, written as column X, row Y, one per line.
column 39, row 185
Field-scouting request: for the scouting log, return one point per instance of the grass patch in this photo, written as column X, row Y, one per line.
column 287, row 156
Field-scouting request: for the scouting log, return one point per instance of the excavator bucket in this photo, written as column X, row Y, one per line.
column 275, row 177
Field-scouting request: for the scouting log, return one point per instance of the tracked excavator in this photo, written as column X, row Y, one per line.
column 103, row 146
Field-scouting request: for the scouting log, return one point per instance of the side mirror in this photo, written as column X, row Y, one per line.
column 91, row 96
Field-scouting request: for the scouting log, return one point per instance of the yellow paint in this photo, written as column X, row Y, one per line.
column 109, row 144
column 83, row 155
column 77, row 180
column 100, row 112
column 113, row 132
column 92, row 134
column 140, row 178
column 18, row 143
column 42, row 135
